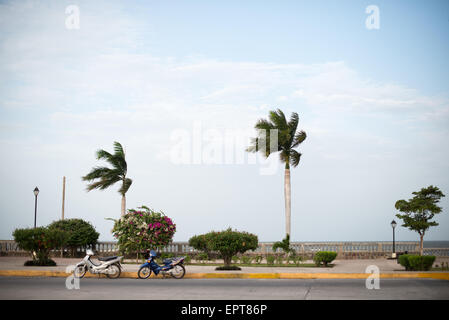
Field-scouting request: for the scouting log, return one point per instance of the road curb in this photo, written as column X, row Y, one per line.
column 133, row 275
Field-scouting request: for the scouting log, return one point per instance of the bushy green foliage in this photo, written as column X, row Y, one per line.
column 202, row 257
column 403, row 261
column 229, row 243
column 40, row 241
column 284, row 245
column 416, row 262
column 80, row 233
column 324, row 257
column 187, row 259
column 270, row 259
column 246, row 259
column 143, row 229
column 279, row 259
column 199, row 242
column 295, row 259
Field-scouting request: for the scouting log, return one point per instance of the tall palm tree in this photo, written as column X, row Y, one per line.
column 288, row 138
column 106, row 177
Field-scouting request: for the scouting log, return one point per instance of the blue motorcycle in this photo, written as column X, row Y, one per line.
column 174, row 266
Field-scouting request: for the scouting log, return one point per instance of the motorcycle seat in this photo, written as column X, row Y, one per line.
column 107, row 258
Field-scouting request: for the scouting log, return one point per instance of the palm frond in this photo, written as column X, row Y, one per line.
column 300, row 136
column 125, row 186
column 292, row 126
column 295, row 157
column 278, row 119
column 263, row 124
column 287, row 137
column 106, row 182
column 96, row 173
column 94, row 185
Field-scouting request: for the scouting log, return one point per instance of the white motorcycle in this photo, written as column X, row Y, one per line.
column 110, row 266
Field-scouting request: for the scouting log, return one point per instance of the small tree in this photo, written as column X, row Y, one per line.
column 80, row 233
column 284, row 245
column 39, row 242
column 143, row 229
column 229, row 243
column 419, row 210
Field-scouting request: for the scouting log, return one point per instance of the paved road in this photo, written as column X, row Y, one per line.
column 210, row 289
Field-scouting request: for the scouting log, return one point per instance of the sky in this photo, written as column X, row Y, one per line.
column 180, row 84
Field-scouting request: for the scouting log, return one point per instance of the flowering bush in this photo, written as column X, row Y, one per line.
column 143, row 229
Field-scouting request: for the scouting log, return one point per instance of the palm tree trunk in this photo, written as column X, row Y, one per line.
column 123, row 205
column 287, row 193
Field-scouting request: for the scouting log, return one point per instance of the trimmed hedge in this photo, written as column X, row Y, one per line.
column 416, row 262
column 324, row 257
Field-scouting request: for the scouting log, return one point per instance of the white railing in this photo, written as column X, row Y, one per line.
column 350, row 248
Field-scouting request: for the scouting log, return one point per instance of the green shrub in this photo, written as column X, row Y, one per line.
column 258, row 259
column 246, row 259
column 199, row 243
column 202, row 257
column 403, row 261
column 270, row 259
column 324, row 257
column 229, row 243
column 80, row 233
column 416, row 262
column 187, row 259
column 279, row 259
column 284, row 245
column 299, row 259
column 294, row 259
column 39, row 242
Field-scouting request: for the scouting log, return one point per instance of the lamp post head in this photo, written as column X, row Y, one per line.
column 393, row 224
column 36, row 191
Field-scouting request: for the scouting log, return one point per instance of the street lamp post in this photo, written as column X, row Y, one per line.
column 36, row 192
column 393, row 225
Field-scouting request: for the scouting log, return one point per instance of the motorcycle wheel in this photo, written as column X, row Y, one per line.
column 178, row 271
column 79, row 272
column 144, row 272
column 116, row 271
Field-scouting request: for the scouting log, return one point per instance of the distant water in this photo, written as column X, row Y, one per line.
column 436, row 244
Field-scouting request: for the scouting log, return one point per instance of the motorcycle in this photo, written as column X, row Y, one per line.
column 109, row 266
column 173, row 267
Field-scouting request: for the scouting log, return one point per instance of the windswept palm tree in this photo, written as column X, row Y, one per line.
column 106, row 177
column 288, row 138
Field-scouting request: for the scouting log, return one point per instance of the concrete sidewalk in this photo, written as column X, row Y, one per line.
column 342, row 269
